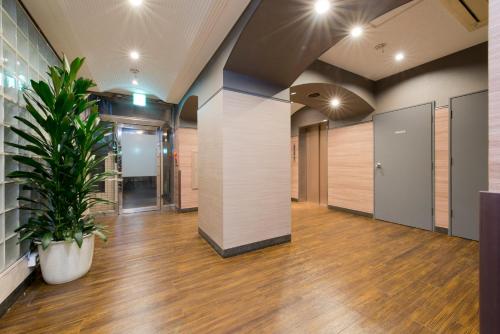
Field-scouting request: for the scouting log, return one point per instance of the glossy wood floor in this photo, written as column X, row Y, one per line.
column 341, row 274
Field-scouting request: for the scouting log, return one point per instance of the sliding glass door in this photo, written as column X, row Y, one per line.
column 140, row 166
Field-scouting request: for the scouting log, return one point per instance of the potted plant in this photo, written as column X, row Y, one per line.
column 58, row 153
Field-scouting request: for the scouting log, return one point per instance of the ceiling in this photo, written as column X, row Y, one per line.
column 423, row 29
column 318, row 96
column 175, row 39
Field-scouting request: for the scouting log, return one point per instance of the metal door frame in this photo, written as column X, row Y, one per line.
column 159, row 160
column 433, row 106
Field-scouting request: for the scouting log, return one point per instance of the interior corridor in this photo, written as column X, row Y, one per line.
column 342, row 273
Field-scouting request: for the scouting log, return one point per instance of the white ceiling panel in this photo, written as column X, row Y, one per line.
column 423, row 30
column 175, row 39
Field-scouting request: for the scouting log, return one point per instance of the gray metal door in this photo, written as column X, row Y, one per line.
column 403, row 166
column 469, row 167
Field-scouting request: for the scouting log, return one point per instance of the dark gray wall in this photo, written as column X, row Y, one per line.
column 125, row 107
column 308, row 116
column 460, row 73
column 320, row 72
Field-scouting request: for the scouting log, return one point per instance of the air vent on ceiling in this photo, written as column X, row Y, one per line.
column 314, row 95
column 472, row 14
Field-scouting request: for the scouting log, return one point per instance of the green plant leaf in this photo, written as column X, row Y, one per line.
column 101, row 235
column 78, row 238
column 46, row 239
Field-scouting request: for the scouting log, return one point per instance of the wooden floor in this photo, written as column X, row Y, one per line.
column 341, row 274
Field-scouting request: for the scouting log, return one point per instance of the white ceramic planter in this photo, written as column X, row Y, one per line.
column 63, row 261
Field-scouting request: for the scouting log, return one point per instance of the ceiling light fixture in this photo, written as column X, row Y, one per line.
column 135, row 82
column 135, row 3
column 134, row 55
column 322, row 6
column 399, row 56
column 335, row 102
column 357, row 31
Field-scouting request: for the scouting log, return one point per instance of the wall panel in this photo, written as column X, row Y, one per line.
column 186, row 143
column 442, row 167
column 294, row 153
column 350, row 167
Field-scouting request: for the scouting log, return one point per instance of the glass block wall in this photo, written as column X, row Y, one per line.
column 26, row 56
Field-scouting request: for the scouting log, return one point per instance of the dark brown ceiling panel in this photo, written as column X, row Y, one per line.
column 284, row 37
column 189, row 110
column 319, row 95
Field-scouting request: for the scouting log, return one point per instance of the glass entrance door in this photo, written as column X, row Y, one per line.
column 140, row 166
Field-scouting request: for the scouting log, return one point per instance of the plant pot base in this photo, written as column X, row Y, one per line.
column 63, row 262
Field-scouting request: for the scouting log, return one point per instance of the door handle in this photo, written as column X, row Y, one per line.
column 378, row 165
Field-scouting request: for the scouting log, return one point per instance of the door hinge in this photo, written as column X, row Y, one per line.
column 451, row 161
column 451, row 213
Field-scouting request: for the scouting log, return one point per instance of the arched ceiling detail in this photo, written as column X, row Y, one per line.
column 189, row 111
column 284, row 37
column 319, row 95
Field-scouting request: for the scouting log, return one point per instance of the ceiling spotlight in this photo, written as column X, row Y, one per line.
column 135, row 3
column 322, row 6
column 335, row 102
column 134, row 55
column 399, row 56
column 135, row 82
column 356, row 31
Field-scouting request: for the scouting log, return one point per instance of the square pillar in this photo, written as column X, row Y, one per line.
column 244, row 172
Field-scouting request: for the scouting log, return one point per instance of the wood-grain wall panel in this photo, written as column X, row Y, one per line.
column 494, row 96
column 294, row 153
column 442, row 167
column 186, row 143
column 350, row 167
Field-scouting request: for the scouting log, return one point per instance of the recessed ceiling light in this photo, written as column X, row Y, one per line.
column 135, row 3
column 356, row 31
column 399, row 56
column 335, row 102
column 134, row 55
column 135, row 82
column 322, row 6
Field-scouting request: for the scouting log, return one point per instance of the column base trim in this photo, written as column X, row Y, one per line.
column 440, row 229
column 225, row 253
column 354, row 212
column 185, row 210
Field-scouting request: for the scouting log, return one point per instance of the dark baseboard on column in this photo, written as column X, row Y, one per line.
column 489, row 258
column 225, row 253
column 440, row 229
column 295, row 199
column 185, row 210
column 14, row 295
column 354, row 212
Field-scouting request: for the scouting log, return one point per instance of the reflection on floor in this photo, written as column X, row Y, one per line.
column 139, row 192
column 341, row 273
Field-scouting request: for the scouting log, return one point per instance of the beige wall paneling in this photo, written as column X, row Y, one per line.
column 294, row 153
column 302, row 154
column 312, row 156
column 210, row 131
column 186, row 140
column 323, row 164
column 494, row 96
column 350, row 167
column 442, row 166
column 256, row 168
